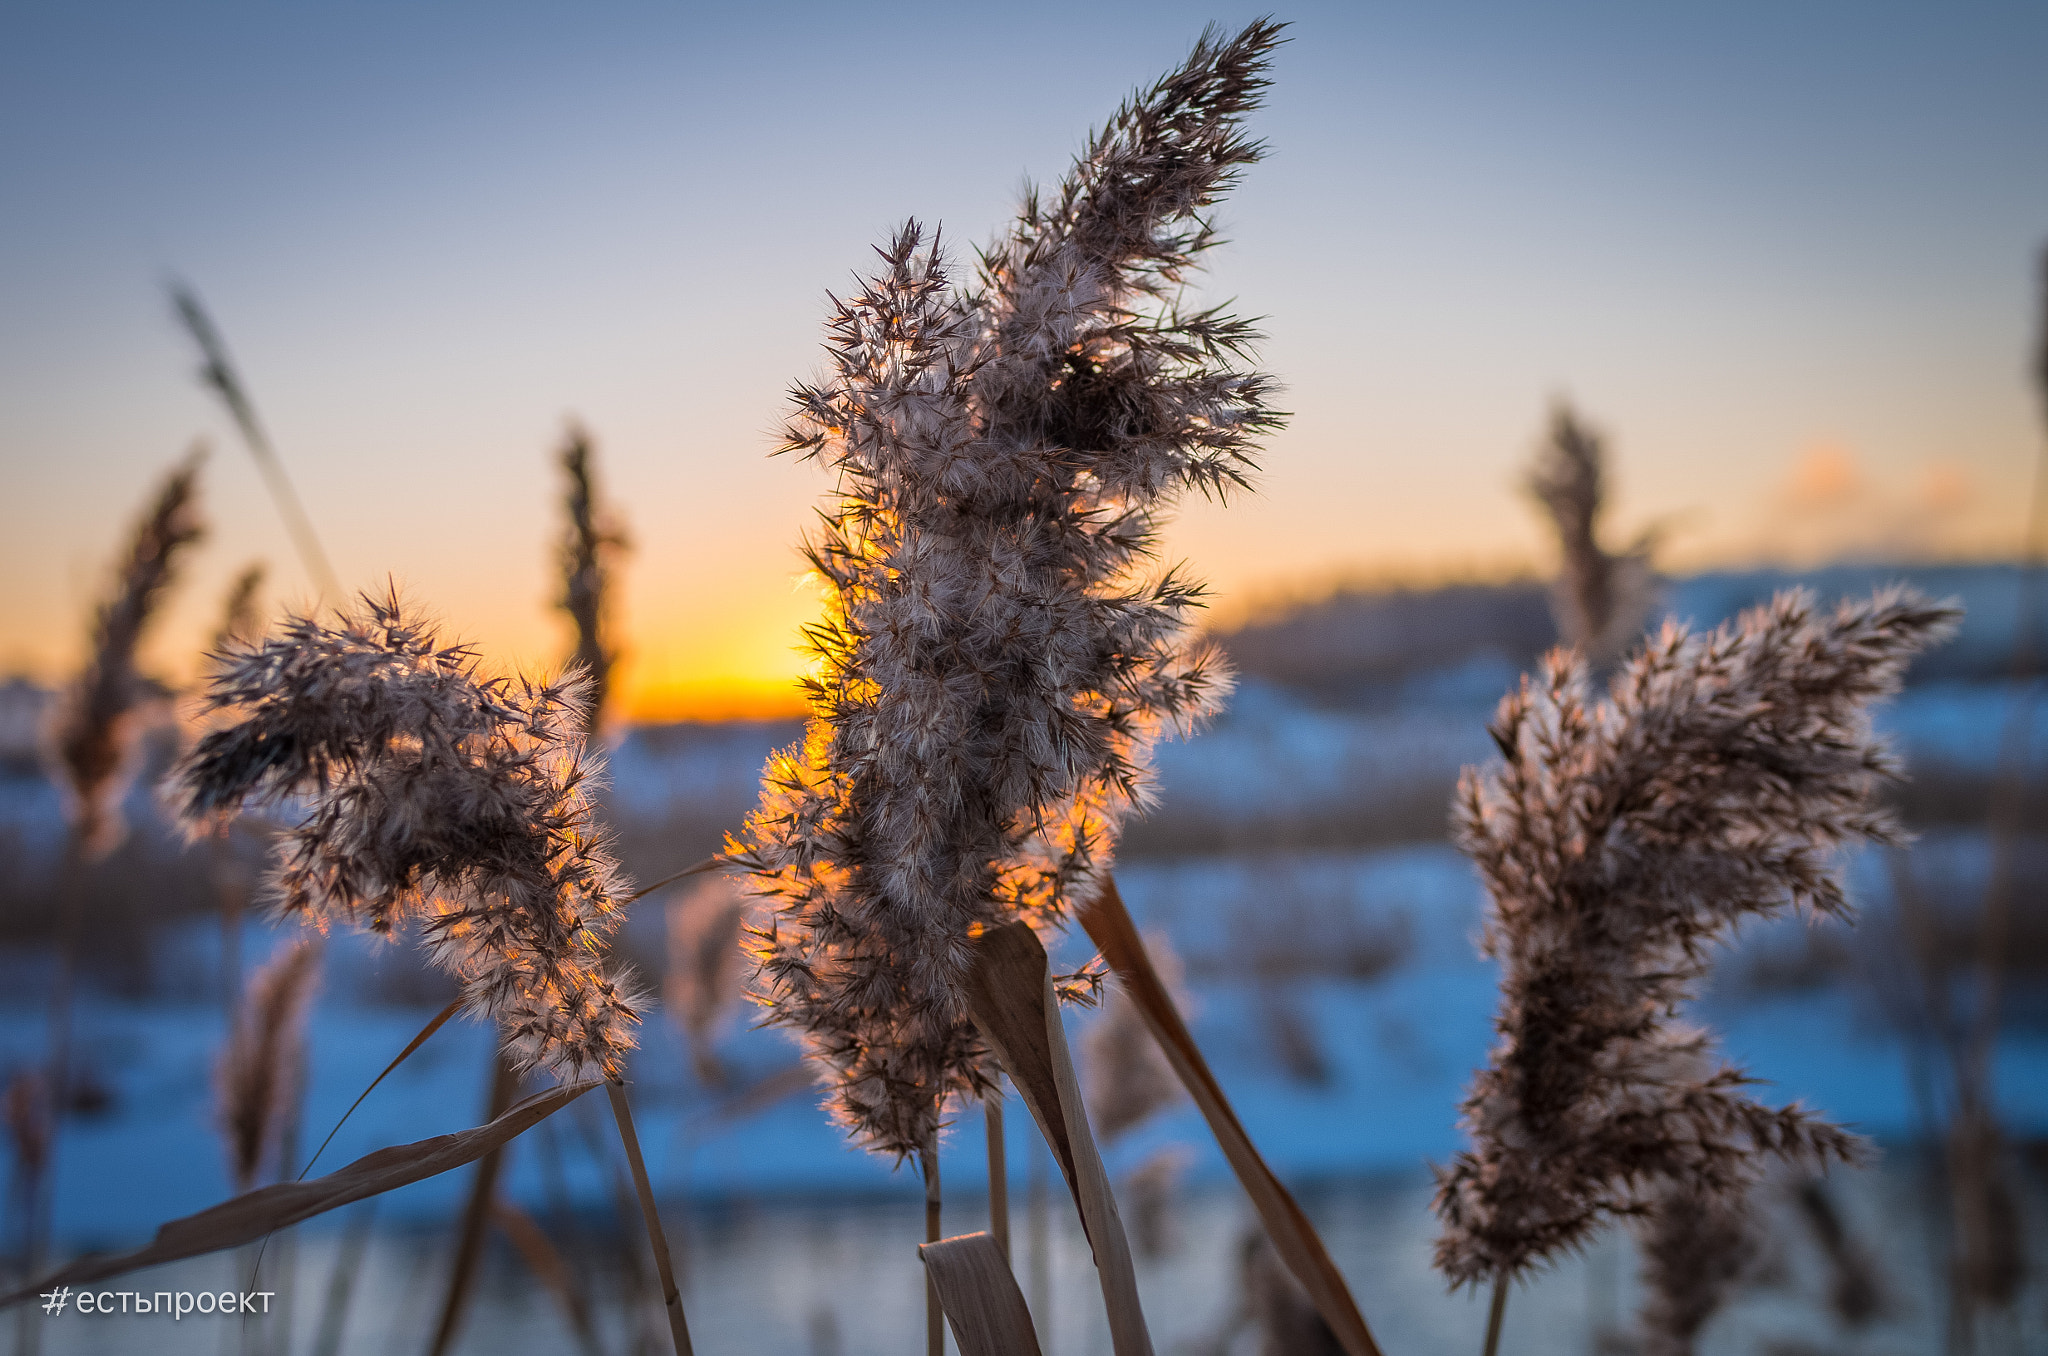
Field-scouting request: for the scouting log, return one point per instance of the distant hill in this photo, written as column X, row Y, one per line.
column 1391, row 647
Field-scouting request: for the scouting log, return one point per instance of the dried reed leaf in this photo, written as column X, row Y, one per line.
column 984, row 1307
column 1109, row 926
column 439, row 1020
column 1010, row 995
column 250, row 1216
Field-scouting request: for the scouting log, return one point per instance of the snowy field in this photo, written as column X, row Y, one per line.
column 1355, row 1123
column 1296, row 869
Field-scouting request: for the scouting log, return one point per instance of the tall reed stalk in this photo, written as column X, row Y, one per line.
column 1601, row 598
column 1000, row 650
column 94, row 741
column 219, row 374
column 1618, row 840
column 589, row 545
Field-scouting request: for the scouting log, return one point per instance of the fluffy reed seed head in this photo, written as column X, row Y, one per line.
column 256, row 1080
column 1617, row 840
column 995, row 660
column 431, row 792
column 96, row 723
column 1696, row 1247
column 706, row 966
column 1600, row 600
column 588, row 547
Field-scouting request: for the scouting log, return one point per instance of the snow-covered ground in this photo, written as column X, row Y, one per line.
column 756, row 1191
column 1397, row 1049
column 1347, row 1073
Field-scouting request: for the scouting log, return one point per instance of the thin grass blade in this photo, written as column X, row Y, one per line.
column 250, row 1216
column 1109, row 926
column 440, row 1020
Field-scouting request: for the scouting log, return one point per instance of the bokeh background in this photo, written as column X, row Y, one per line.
column 1785, row 259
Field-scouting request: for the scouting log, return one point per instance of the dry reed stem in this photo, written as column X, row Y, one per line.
column 1495, row 1312
column 934, row 1313
column 250, row 1216
column 434, row 1023
column 671, row 1297
column 1016, row 1010
column 341, row 1282
column 971, row 1276
column 545, row 1261
column 998, row 1170
column 590, row 544
column 1109, row 926
column 476, row 1211
column 219, row 376
column 257, row 1077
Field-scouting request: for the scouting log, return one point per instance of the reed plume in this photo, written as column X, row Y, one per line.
column 588, row 547
column 1697, row 1246
column 1617, row 840
column 241, row 620
column 996, row 661
column 431, row 792
column 1600, row 599
column 256, row 1080
column 706, row 967
column 95, row 724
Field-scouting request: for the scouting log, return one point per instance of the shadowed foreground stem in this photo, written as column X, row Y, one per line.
column 671, row 1298
column 476, row 1212
column 934, row 1312
column 1493, row 1314
column 998, row 1171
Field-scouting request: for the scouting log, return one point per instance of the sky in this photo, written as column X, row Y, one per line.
column 1784, row 256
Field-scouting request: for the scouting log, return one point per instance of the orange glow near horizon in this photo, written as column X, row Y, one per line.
column 710, row 699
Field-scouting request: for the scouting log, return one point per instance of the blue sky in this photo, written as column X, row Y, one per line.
column 1783, row 254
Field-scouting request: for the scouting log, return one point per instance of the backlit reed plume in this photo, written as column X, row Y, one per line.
column 706, row 968
column 996, row 656
column 1125, row 1076
column 1696, row 1247
column 587, row 549
column 1600, row 600
column 96, row 723
column 1617, row 839
column 431, row 792
column 256, row 1080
